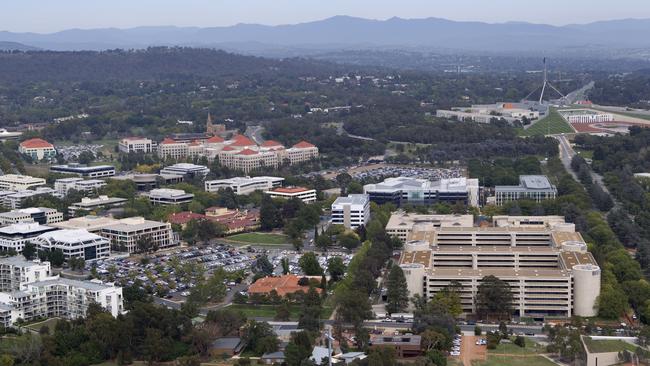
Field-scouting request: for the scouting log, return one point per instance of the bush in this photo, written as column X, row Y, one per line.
column 303, row 281
column 493, row 339
column 520, row 341
column 477, row 331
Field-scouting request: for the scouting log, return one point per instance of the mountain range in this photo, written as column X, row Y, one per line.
column 342, row 32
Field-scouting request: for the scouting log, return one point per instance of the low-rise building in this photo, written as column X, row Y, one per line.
column 16, row 271
column 41, row 215
column 170, row 149
column 351, row 211
column 244, row 185
column 37, row 149
column 91, row 223
column 306, row 195
column 15, row 200
column 403, row 190
column 127, row 233
column 74, row 244
column 186, row 170
column 531, row 187
column 64, row 185
column 405, row 345
column 147, row 182
column 136, row 145
column 167, row 196
column 85, row 171
column 15, row 236
column 88, row 204
column 17, row 182
column 235, row 221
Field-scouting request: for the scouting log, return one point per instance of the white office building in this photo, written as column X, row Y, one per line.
column 531, row 187
column 127, row 232
column 17, row 182
column 167, row 196
column 41, row 215
column 93, row 204
column 403, row 190
column 186, row 170
column 244, row 185
column 15, row 236
column 15, row 200
column 16, row 270
column 74, row 244
column 64, row 185
column 351, row 211
column 95, row 171
column 136, row 145
column 306, row 195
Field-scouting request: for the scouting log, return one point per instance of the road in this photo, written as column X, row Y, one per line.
column 255, row 134
column 578, row 94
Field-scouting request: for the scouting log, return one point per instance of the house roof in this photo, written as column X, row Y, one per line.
column 167, row 141
column 184, row 217
column 227, row 148
column 231, row 343
column 290, row 189
column 287, row 284
column 35, row 143
column 303, row 145
column 241, row 140
column 271, row 143
column 247, row 152
column 195, row 143
column 215, row 139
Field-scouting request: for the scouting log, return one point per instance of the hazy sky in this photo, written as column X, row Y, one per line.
column 55, row 15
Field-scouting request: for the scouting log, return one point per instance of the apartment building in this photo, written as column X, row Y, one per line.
column 65, row 185
column 403, row 190
column 531, row 187
column 351, row 211
column 88, row 204
column 15, row 236
column 167, row 196
column 127, row 232
column 244, row 185
column 37, row 149
column 15, row 271
column 41, row 215
column 136, row 145
column 304, row 194
column 77, row 243
column 85, row 171
column 17, row 182
column 186, row 170
column 543, row 260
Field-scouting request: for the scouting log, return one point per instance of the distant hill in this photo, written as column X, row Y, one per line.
column 15, row 46
column 344, row 31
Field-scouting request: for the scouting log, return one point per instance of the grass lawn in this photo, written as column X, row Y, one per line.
column 50, row 323
column 609, row 345
column 268, row 311
column 513, row 349
column 553, row 123
column 260, row 238
column 513, row 361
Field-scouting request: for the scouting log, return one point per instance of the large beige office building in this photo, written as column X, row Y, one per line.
column 543, row 259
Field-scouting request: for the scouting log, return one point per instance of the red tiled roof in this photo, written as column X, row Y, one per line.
column 167, row 141
column 182, row 218
column 241, row 140
column 247, row 152
column 303, row 145
column 227, row 148
column 35, row 143
column 215, row 139
column 290, row 189
column 287, row 284
column 195, row 143
column 271, row 143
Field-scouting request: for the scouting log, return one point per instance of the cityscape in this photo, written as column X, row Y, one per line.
column 353, row 190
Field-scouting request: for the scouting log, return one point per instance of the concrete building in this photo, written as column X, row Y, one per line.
column 169, row 148
column 166, row 196
column 244, row 185
column 15, row 236
column 407, row 345
column 484, row 113
column 531, row 187
column 17, row 182
column 91, row 223
column 85, row 171
column 147, row 182
column 37, row 149
column 74, row 244
column 186, row 170
column 64, row 185
column 403, row 190
column 15, row 200
column 304, row 194
column 543, row 260
column 93, row 204
column 127, row 232
column 351, row 211
column 41, row 215
column 16, row 270
column 585, row 116
column 136, row 145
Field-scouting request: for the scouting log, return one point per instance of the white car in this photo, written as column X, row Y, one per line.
column 455, row 353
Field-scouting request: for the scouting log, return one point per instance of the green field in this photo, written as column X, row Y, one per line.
column 608, row 345
column 260, row 238
column 553, row 124
column 269, row 311
column 50, row 323
column 513, row 349
column 514, row 361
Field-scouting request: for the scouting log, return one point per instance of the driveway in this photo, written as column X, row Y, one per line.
column 469, row 351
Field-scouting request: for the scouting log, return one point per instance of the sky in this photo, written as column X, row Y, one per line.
column 45, row 16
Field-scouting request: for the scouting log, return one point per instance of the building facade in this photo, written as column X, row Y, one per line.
column 93, row 204
column 351, row 211
column 127, row 233
column 37, row 149
column 166, row 196
column 244, row 185
column 15, row 271
column 403, row 190
column 64, row 185
column 531, row 187
column 17, row 182
column 96, row 171
column 74, row 244
column 136, row 145
column 304, row 194
column 41, row 215
column 14, row 237
column 186, row 170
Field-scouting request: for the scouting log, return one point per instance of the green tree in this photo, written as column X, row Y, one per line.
column 29, row 251
column 283, row 312
column 349, row 240
column 269, row 214
column 336, row 268
column 298, row 349
column 396, row 291
column 494, row 298
column 309, row 265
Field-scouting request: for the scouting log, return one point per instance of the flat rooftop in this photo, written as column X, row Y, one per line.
column 422, row 257
column 529, row 183
column 406, row 220
column 353, row 199
column 19, row 261
column 502, row 273
column 496, row 249
column 571, row 259
column 560, row 237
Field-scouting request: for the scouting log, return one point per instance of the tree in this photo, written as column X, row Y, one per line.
column 309, row 265
column 397, row 298
column 382, row 356
column 432, row 339
column 336, row 268
column 349, row 240
column 353, row 307
column 86, row 157
column 477, row 331
column 29, row 251
column 494, row 298
column 612, row 302
column 283, row 312
column 323, row 242
column 298, row 349
column 285, row 265
column 343, row 180
column 263, row 266
column 520, row 341
column 269, row 214
column 228, row 320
